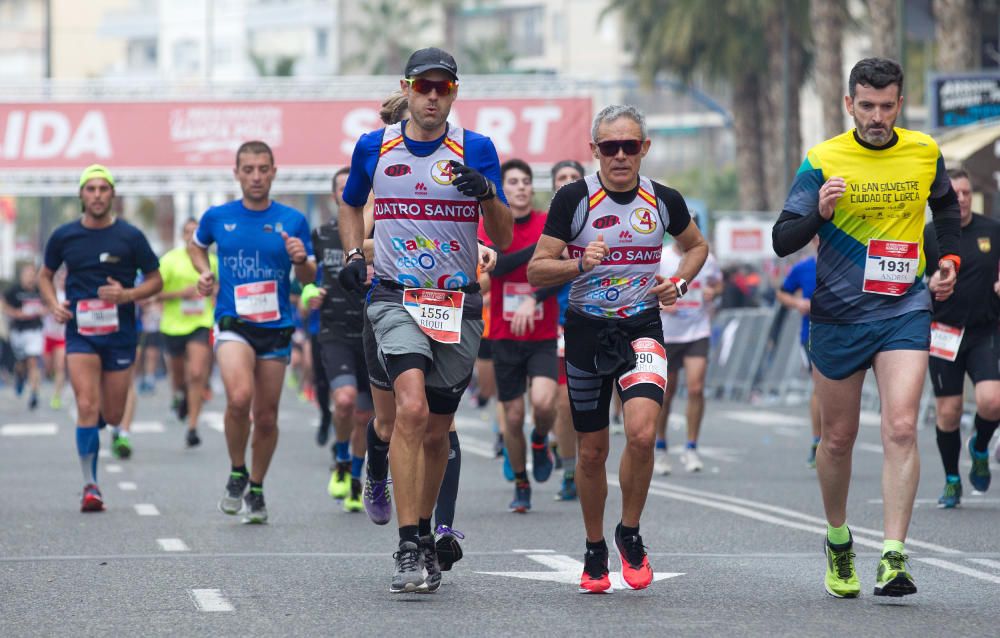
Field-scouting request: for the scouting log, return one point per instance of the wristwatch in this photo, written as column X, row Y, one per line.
column 352, row 252
column 681, row 285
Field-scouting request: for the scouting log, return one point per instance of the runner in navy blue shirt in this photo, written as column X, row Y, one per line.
column 102, row 256
column 261, row 243
column 802, row 278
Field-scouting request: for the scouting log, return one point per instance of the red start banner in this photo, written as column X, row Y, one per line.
column 143, row 135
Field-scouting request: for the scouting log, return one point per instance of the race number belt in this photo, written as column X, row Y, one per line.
column 890, row 266
column 33, row 307
column 96, row 317
column 650, row 364
column 437, row 312
column 194, row 306
column 258, row 301
column 514, row 294
column 945, row 340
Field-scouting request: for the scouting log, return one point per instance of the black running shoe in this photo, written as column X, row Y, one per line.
column 254, row 512
column 449, row 551
column 192, row 438
column 232, row 500
column 323, row 432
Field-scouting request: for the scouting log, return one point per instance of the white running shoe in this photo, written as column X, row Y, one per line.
column 691, row 460
column 661, row 465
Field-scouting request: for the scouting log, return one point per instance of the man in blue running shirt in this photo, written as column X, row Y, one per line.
column 102, row 254
column 260, row 241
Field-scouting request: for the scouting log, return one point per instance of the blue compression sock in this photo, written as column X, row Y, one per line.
column 357, row 462
column 88, row 442
column 342, row 450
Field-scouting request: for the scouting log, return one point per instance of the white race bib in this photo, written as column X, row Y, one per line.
column 650, row 364
column 194, row 306
column 561, row 344
column 890, row 266
column 258, row 302
column 33, row 307
column 437, row 312
column 945, row 340
column 694, row 299
column 514, row 294
column 96, row 317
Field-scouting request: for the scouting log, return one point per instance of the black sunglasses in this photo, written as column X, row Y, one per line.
column 610, row 148
column 423, row 85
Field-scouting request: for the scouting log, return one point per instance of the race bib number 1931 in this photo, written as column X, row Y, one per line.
column 891, row 266
column 650, row 364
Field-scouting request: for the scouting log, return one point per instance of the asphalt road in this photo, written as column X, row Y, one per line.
column 739, row 546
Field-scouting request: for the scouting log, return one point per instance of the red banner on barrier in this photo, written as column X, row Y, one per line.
column 302, row 134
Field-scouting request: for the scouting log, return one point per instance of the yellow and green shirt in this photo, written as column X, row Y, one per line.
column 888, row 189
column 182, row 316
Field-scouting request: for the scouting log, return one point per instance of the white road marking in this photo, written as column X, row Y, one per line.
column 172, row 545
column 148, row 427
column 103, row 454
column 113, row 469
column 214, row 420
column 869, row 447
column 534, row 551
column 567, row 571
column 210, row 600
column 127, row 486
column 960, row 569
column 716, row 500
column 870, row 419
column 784, row 430
column 478, row 449
column 934, row 501
column 995, row 564
column 765, row 418
column 29, row 429
column 146, row 509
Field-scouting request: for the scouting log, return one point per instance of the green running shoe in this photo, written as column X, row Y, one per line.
column 841, row 577
column 892, row 578
column 339, row 486
column 353, row 501
column 121, row 446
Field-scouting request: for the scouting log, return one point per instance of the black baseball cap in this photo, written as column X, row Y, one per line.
column 429, row 59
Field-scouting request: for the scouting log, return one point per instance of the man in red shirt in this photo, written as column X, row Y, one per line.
column 523, row 330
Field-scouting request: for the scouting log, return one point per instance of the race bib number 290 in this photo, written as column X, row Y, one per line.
column 650, row 364
column 437, row 312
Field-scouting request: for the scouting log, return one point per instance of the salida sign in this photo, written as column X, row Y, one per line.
column 302, row 134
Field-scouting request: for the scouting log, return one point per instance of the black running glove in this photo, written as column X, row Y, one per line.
column 471, row 182
column 352, row 276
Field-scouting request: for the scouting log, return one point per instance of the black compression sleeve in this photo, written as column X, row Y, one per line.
column 507, row 264
column 931, row 251
column 544, row 293
column 947, row 222
column 792, row 232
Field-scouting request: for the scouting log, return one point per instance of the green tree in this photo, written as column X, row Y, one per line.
column 386, row 28
column 739, row 43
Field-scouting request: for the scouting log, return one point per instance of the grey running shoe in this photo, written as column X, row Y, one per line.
column 409, row 574
column 378, row 502
column 232, row 500
column 429, row 552
column 254, row 513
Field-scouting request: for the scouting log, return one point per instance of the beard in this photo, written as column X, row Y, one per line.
column 876, row 136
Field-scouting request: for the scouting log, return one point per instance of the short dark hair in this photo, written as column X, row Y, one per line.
column 254, row 147
column 958, row 173
column 343, row 170
column 877, row 73
column 567, row 163
column 515, row 163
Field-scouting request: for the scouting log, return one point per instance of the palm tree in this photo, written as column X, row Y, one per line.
column 738, row 43
column 384, row 28
column 828, row 17
column 884, row 15
column 956, row 36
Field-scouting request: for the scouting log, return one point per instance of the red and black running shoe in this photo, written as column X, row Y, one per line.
column 92, row 500
column 595, row 578
column 636, row 571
